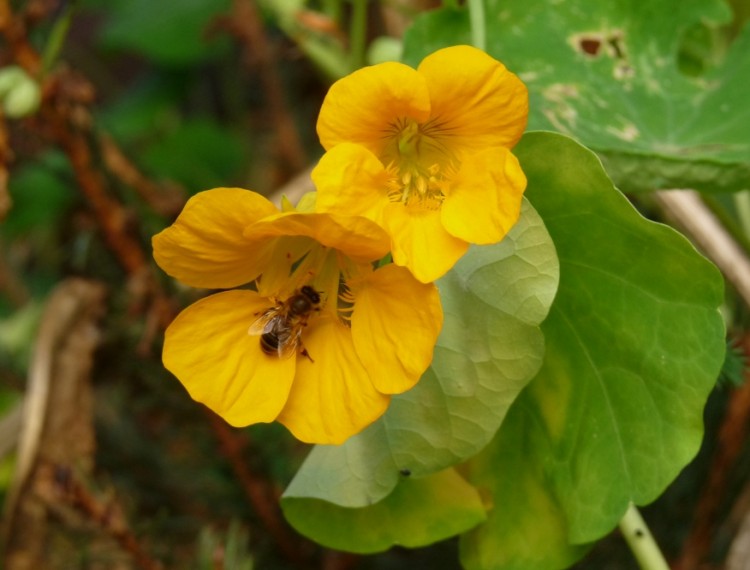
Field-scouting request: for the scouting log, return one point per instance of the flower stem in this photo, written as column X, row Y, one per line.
column 641, row 542
column 476, row 17
column 333, row 9
column 357, row 33
column 57, row 37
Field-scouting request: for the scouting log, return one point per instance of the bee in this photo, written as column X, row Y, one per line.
column 280, row 327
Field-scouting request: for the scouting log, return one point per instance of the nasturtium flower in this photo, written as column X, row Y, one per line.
column 425, row 154
column 369, row 333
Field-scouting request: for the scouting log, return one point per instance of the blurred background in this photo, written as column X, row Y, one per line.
column 135, row 106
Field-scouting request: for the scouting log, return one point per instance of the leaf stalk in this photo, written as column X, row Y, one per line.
column 641, row 541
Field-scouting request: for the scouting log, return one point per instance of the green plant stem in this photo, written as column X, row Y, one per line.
column 641, row 542
column 57, row 38
column 330, row 60
column 332, row 9
column 450, row 4
column 476, row 17
column 358, row 33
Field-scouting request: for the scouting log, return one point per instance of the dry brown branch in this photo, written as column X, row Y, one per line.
column 166, row 199
column 56, row 408
column 13, row 29
column 63, row 487
column 257, row 489
column 66, row 116
column 689, row 213
column 5, row 156
column 739, row 552
column 731, row 441
column 111, row 215
column 56, row 446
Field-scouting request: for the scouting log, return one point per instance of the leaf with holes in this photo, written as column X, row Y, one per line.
column 610, row 74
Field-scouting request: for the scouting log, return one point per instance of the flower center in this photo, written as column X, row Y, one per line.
column 419, row 164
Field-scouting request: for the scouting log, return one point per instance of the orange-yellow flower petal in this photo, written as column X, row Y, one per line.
column 476, row 101
column 357, row 237
column 205, row 246
column 395, row 326
column 351, row 179
column 210, row 351
column 332, row 397
column 420, row 243
column 361, row 107
column 484, row 201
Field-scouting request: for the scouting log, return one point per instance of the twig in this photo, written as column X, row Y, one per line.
column 5, row 156
column 245, row 23
column 110, row 213
column 63, row 309
column 739, row 551
column 107, row 516
column 112, row 216
column 731, row 440
column 15, row 34
column 685, row 208
column 255, row 488
column 167, row 200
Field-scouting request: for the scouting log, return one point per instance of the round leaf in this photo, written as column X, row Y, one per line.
column 635, row 343
column 418, row 512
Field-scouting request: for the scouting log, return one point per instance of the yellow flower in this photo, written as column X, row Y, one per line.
column 356, row 334
column 425, row 154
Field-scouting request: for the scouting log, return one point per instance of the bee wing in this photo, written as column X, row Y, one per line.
column 266, row 322
column 288, row 345
column 289, row 341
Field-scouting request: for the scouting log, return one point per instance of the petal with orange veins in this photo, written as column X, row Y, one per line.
column 363, row 106
column 332, row 397
column 420, row 243
column 205, row 246
column 484, row 200
column 476, row 102
column 210, row 351
column 357, row 237
column 351, row 180
column 395, row 324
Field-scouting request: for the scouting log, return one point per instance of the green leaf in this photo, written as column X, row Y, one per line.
column 418, row 512
column 434, row 30
column 608, row 73
column 489, row 349
column 198, row 153
column 42, row 196
column 634, row 342
column 169, row 32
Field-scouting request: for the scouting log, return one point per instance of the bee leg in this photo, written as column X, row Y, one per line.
column 305, row 353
